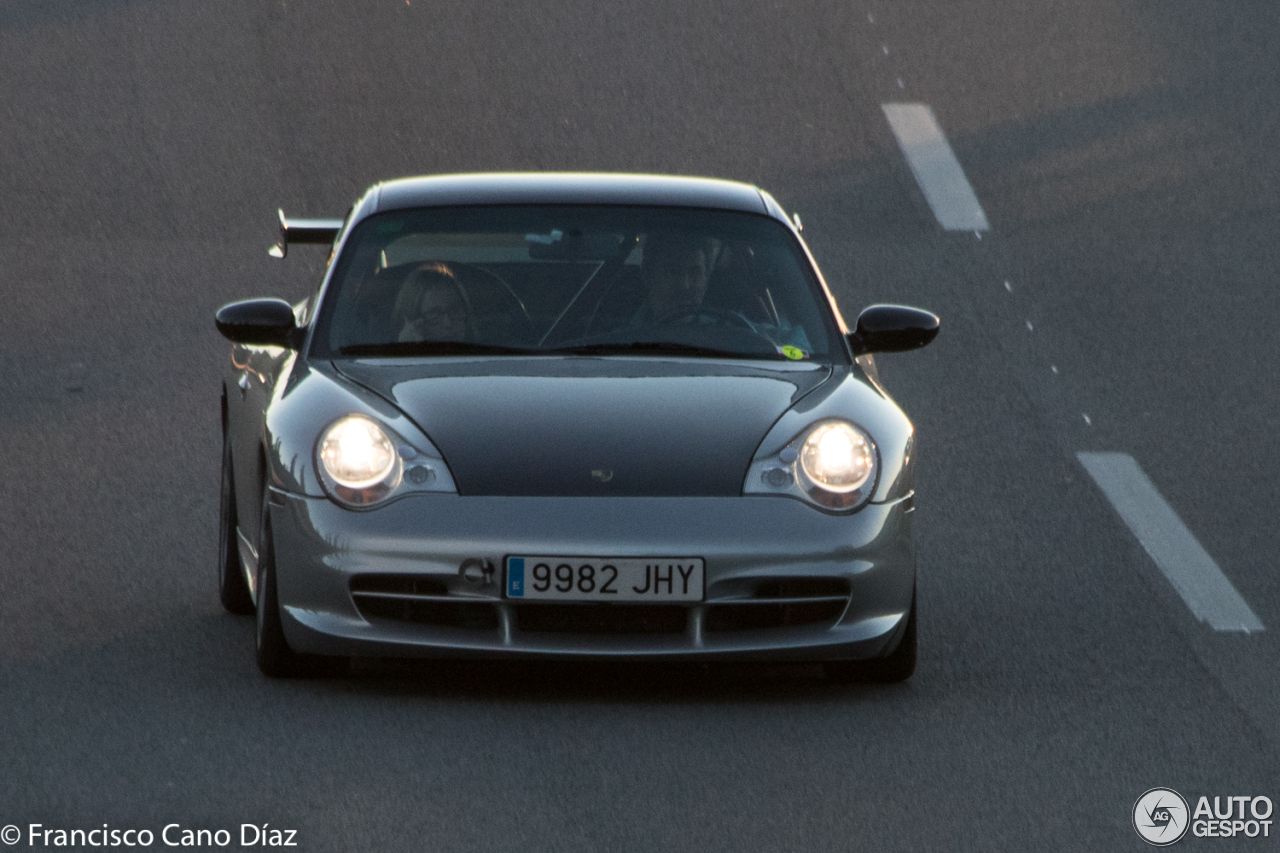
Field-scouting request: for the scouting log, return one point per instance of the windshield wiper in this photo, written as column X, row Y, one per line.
column 412, row 348
column 428, row 348
column 655, row 348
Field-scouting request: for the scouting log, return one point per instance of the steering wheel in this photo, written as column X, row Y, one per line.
column 694, row 314
column 691, row 314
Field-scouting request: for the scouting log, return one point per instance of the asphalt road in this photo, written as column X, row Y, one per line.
column 1124, row 152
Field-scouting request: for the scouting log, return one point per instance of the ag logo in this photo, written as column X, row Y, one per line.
column 1160, row 816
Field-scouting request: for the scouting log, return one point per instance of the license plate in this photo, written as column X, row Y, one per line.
column 605, row 578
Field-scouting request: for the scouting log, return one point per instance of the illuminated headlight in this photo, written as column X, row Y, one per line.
column 835, row 464
column 837, row 457
column 362, row 463
column 360, row 460
column 832, row 464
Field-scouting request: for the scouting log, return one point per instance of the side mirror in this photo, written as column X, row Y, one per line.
column 259, row 322
column 893, row 328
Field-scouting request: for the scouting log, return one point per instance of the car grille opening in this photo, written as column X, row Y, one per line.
column 402, row 584
column 781, row 603
column 421, row 600
column 444, row 614
column 602, row 618
column 802, row 588
column 772, row 604
column 756, row 617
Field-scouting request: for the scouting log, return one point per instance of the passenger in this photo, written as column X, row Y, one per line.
column 431, row 306
column 675, row 270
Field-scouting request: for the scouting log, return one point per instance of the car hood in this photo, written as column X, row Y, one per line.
column 592, row 426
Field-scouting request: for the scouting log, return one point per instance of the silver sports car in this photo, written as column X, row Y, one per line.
column 567, row 415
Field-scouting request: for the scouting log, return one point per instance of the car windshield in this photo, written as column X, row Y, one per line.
column 575, row 280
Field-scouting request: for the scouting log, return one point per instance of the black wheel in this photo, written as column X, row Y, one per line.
column 275, row 658
column 898, row 665
column 232, row 588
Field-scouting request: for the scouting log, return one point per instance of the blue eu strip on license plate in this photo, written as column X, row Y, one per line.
column 515, row 577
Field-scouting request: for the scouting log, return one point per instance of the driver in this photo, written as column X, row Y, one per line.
column 674, row 271
column 431, row 306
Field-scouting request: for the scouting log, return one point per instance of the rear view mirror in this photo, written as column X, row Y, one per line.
column 573, row 245
column 893, row 328
column 259, row 322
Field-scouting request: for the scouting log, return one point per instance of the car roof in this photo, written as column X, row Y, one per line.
column 568, row 188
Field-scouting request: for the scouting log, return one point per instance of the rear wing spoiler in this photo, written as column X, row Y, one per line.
column 315, row 231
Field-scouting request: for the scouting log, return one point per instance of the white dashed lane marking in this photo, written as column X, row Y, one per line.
column 1186, row 564
column 936, row 168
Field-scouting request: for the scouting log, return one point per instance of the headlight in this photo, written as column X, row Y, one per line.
column 837, row 457
column 363, row 462
column 357, row 453
column 360, row 460
column 832, row 464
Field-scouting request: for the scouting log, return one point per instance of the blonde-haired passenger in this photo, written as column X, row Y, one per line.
column 432, row 306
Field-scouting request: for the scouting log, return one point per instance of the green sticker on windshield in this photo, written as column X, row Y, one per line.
column 792, row 353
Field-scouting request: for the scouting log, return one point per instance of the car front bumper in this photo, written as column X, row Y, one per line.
column 771, row 566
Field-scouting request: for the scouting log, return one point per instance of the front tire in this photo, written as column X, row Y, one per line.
column 233, row 591
column 275, row 658
column 898, row 665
